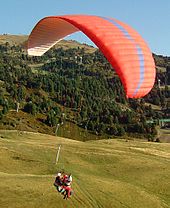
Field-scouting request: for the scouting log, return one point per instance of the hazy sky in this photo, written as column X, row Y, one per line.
column 151, row 18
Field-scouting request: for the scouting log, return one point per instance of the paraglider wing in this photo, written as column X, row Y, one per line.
column 123, row 47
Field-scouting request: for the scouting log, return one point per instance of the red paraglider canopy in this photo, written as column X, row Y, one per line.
column 123, row 47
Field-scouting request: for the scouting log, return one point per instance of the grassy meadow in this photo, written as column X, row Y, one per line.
column 106, row 174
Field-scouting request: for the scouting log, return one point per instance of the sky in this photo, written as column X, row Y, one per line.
column 151, row 18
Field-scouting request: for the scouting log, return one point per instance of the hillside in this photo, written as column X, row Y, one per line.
column 106, row 173
column 13, row 39
column 74, row 84
column 22, row 40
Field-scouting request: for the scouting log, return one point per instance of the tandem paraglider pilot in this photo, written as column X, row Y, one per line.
column 63, row 184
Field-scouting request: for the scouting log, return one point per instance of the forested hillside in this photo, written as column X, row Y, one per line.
column 76, row 85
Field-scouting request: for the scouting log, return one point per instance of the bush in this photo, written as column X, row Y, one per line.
column 30, row 108
column 121, row 131
column 5, row 109
column 157, row 140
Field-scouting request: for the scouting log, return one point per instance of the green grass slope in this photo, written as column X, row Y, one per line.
column 106, row 173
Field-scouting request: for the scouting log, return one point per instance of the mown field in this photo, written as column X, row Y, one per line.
column 106, row 173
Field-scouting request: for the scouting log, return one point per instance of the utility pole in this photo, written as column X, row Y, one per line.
column 159, row 83
column 17, row 107
column 57, row 129
column 58, row 153
column 81, row 59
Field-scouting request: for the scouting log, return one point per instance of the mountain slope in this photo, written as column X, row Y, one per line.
column 65, row 44
column 75, row 83
column 13, row 39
